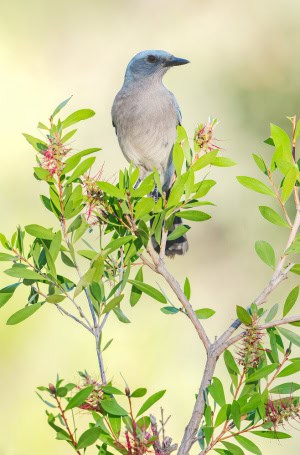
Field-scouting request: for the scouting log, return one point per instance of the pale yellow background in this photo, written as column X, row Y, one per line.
column 245, row 71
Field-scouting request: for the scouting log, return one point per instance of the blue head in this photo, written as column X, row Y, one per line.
column 152, row 63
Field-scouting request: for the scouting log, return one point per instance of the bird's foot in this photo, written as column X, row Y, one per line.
column 155, row 194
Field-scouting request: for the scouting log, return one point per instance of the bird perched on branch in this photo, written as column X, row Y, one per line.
column 145, row 115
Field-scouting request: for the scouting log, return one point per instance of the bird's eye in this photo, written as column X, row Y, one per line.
column 151, row 58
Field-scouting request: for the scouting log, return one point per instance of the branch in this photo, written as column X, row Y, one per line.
column 268, row 325
column 279, row 275
column 62, row 310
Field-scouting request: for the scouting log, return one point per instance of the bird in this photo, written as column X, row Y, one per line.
column 145, row 115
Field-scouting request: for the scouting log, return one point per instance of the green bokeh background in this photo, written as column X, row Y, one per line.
column 244, row 71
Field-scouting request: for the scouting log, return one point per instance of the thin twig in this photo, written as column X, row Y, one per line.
column 62, row 310
column 62, row 412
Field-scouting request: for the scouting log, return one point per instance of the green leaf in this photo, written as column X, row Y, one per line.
column 169, row 310
column 116, row 244
column 139, row 393
column 272, row 434
column 7, row 292
column 150, row 401
column 260, row 163
column 234, row 449
column 112, row 190
column 149, row 290
column 7, row 257
column 291, row 336
column 286, row 389
column 121, row 316
column 203, row 188
column 217, row 392
column 265, row 252
column 42, row 174
column 68, row 136
column 243, row 315
column 230, row 363
column 236, row 414
column 178, row 158
column 272, row 313
column 290, row 369
column 24, row 313
column 178, row 232
column 262, row 372
column 81, row 169
column 39, row 231
column 290, row 300
column 55, row 298
column 112, row 407
column 255, row 185
column 19, row 271
column 87, row 254
column 222, row 415
column 205, row 160
column 187, row 288
column 36, row 143
column 289, row 183
column 193, row 215
column 110, row 390
column 272, row 216
column 222, row 161
column 144, row 188
column 204, row 313
column 143, row 207
column 255, row 401
column 248, row 445
column 113, row 303
column 77, row 116
column 60, row 106
column 296, row 269
column 80, row 397
column 136, row 293
column 281, row 139
column 177, row 190
column 88, row 438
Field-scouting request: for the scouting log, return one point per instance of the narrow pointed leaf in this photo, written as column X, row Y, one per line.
column 150, row 401
column 24, row 313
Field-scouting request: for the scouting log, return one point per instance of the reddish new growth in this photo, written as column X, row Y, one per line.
column 203, row 137
column 53, row 155
column 249, row 350
column 280, row 411
column 139, row 442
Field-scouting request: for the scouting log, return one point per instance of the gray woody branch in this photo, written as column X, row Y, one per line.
column 214, row 350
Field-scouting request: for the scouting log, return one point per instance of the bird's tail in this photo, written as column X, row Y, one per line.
column 173, row 247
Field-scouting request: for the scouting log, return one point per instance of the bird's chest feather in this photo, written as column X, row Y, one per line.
column 146, row 123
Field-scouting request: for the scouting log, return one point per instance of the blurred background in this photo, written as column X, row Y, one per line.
column 245, row 71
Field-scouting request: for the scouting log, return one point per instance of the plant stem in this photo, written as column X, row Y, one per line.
column 62, row 412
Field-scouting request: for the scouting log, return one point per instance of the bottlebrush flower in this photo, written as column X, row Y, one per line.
column 54, row 155
column 250, row 349
column 203, row 137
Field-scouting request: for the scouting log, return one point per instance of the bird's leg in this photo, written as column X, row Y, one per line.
column 155, row 193
column 137, row 183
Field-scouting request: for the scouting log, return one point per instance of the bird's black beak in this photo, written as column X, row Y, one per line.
column 176, row 61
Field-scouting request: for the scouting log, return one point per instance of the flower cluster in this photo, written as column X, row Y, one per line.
column 249, row 351
column 53, row 156
column 92, row 192
column 93, row 402
column 282, row 410
column 203, row 137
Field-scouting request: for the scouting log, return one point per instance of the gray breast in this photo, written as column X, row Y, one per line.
column 145, row 122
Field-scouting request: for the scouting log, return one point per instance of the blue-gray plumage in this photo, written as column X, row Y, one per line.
column 145, row 115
